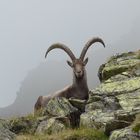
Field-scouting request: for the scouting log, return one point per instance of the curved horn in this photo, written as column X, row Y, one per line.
column 88, row 44
column 63, row 47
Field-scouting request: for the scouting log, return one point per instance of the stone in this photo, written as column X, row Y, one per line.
column 124, row 134
column 22, row 125
column 103, row 102
column 115, row 124
column 112, row 106
column 119, row 87
column 61, row 107
column 124, row 115
column 79, row 104
column 118, row 64
column 130, row 100
column 111, row 103
column 5, row 133
column 93, row 106
column 96, row 119
column 53, row 125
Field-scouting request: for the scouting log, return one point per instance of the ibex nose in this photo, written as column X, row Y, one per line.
column 78, row 71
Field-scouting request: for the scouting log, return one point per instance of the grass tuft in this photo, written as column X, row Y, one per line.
column 69, row 134
column 136, row 124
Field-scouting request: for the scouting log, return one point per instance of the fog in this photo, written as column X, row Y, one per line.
column 28, row 28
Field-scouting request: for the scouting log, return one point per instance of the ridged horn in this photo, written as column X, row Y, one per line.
column 63, row 47
column 88, row 44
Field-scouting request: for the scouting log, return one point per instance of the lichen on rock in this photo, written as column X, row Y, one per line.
column 117, row 98
column 124, row 134
column 61, row 107
column 119, row 63
column 112, row 106
column 53, row 125
column 5, row 133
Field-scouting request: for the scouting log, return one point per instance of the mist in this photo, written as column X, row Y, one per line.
column 28, row 28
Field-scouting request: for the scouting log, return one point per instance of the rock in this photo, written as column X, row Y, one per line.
column 119, row 64
column 95, row 119
column 98, row 100
column 125, row 115
column 124, row 134
column 106, row 112
column 111, row 103
column 5, row 133
column 22, row 125
column 4, row 124
column 120, row 78
column 100, row 75
column 53, row 125
column 115, row 124
column 87, row 119
column 116, row 95
column 61, row 107
column 130, row 100
column 119, row 87
column 94, row 105
column 79, row 104
column 94, row 98
column 112, row 106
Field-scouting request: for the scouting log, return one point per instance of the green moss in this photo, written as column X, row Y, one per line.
column 113, row 70
column 70, row 134
column 27, row 124
column 53, row 125
column 138, row 56
column 120, row 86
column 136, row 124
column 4, row 123
column 136, row 128
column 114, row 67
column 60, row 107
column 130, row 100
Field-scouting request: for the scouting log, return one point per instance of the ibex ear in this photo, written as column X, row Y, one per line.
column 70, row 63
column 85, row 61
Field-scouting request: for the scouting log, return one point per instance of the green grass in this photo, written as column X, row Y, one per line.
column 70, row 134
column 136, row 124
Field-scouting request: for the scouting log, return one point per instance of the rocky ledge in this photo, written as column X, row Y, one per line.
column 113, row 108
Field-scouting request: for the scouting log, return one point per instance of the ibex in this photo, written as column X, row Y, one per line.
column 79, row 88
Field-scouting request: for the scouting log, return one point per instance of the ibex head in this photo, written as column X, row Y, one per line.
column 78, row 64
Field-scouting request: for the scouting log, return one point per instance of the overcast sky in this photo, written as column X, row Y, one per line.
column 29, row 27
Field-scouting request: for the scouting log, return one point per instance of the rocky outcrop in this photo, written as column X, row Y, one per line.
column 126, row 64
column 125, row 134
column 5, row 133
column 53, row 125
column 116, row 101
column 27, row 124
column 112, row 107
column 60, row 115
column 61, row 107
